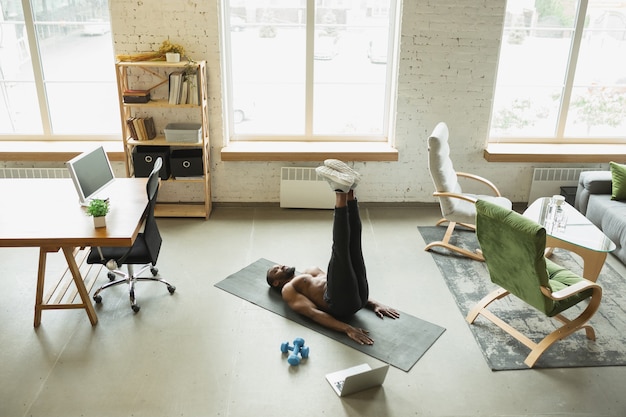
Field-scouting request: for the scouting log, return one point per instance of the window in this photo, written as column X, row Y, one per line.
column 57, row 74
column 309, row 69
column 561, row 75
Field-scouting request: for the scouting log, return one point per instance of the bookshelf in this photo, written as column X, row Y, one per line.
column 153, row 76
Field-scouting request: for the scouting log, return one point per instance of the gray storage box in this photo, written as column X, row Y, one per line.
column 183, row 132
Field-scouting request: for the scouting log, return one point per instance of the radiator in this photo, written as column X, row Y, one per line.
column 34, row 173
column 548, row 181
column 302, row 188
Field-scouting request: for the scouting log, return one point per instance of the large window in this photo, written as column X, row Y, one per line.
column 57, row 75
column 309, row 69
column 562, row 72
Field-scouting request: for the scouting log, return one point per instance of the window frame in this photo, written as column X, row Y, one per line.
column 391, row 80
column 39, row 83
column 565, row 103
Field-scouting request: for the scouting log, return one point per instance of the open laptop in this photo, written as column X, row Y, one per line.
column 357, row 378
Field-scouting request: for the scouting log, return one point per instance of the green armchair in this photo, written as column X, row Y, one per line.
column 513, row 247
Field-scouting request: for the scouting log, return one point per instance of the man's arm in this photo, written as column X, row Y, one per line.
column 381, row 310
column 302, row 305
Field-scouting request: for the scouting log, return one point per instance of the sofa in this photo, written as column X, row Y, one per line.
column 593, row 199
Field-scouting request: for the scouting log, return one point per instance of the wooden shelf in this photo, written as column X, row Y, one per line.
column 156, row 73
column 182, row 210
column 160, row 141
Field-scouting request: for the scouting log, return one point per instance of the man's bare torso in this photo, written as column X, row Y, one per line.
column 312, row 287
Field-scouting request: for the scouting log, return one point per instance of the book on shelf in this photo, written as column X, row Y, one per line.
column 136, row 96
column 183, row 88
column 175, row 85
column 141, row 128
column 192, row 96
column 150, row 127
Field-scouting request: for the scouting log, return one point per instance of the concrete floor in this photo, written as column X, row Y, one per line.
column 204, row 352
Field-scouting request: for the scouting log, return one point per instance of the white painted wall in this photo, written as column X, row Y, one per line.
column 448, row 59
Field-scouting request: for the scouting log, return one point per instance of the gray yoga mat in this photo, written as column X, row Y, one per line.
column 400, row 343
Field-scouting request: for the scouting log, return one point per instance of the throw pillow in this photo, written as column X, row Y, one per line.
column 618, row 175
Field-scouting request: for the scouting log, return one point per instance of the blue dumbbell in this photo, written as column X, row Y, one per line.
column 297, row 348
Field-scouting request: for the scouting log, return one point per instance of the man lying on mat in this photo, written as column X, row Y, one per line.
column 328, row 297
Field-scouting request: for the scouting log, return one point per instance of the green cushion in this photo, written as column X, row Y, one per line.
column 618, row 175
column 513, row 247
column 561, row 278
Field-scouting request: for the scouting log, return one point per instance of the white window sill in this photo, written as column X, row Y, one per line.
column 308, row 151
column 55, row 151
column 559, row 153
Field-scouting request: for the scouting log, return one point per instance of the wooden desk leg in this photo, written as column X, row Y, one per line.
column 80, row 284
column 41, row 273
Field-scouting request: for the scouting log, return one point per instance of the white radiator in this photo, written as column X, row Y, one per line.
column 302, row 188
column 34, row 173
column 548, row 181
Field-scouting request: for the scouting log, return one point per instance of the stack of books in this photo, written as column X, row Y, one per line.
column 141, row 128
column 183, row 88
column 136, row 96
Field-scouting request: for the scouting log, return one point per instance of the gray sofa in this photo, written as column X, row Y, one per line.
column 593, row 199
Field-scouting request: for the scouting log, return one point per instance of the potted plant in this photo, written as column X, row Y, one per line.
column 172, row 51
column 98, row 209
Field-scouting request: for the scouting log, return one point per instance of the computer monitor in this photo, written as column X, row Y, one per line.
column 91, row 172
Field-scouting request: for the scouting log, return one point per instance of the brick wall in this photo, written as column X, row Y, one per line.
column 447, row 68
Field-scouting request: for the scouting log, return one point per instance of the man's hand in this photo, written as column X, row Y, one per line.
column 359, row 335
column 382, row 310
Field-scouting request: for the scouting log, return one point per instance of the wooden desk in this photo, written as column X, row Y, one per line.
column 45, row 213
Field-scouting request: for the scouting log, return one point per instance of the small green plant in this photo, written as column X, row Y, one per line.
column 98, row 208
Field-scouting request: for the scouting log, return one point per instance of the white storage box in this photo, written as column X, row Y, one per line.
column 183, row 132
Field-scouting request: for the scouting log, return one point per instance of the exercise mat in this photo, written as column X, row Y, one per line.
column 400, row 343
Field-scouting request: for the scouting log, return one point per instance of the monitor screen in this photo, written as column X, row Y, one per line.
column 91, row 172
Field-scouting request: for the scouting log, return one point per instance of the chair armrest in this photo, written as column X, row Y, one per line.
column 571, row 290
column 455, row 195
column 591, row 182
column 482, row 180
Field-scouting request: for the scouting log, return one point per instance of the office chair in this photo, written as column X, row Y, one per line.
column 513, row 247
column 456, row 206
column 144, row 251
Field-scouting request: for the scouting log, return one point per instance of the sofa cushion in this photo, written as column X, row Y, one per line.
column 610, row 217
column 618, row 176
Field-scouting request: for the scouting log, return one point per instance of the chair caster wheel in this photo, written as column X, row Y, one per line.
column 97, row 299
column 111, row 276
column 135, row 308
column 154, row 271
column 171, row 289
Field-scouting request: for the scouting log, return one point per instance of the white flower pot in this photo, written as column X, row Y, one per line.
column 172, row 57
column 100, row 221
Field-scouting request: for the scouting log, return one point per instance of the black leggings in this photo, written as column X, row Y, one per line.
column 347, row 290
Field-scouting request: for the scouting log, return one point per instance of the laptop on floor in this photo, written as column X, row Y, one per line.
column 357, row 378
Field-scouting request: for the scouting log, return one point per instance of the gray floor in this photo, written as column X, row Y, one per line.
column 204, row 352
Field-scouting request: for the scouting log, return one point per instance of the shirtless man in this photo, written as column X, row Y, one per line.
column 327, row 297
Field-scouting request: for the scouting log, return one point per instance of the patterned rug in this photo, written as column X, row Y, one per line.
column 469, row 282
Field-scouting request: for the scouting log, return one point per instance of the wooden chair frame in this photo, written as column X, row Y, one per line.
column 445, row 242
column 569, row 326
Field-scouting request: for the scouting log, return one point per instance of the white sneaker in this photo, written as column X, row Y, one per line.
column 338, row 181
column 342, row 167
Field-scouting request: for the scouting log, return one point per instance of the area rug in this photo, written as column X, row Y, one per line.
column 469, row 282
column 400, row 343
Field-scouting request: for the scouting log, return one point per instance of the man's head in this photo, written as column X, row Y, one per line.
column 279, row 275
